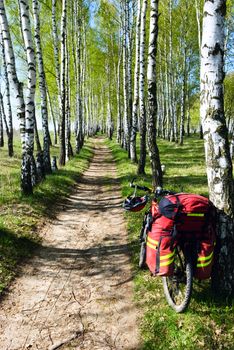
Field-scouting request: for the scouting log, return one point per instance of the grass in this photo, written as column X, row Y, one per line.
column 21, row 217
column 209, row 322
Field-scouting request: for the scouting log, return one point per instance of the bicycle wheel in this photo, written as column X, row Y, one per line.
column 178, row 287
column 142, row 255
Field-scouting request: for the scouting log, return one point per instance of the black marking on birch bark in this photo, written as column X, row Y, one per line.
column 207, row 14
column 222, row 9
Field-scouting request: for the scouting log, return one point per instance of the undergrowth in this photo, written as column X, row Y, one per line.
column 209, row 322
column 22, row 216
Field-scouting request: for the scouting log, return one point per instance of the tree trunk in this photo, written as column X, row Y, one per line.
column 133, row 153
column 52, row 116
column 183, row 97
column 11, row 72
column 152, row 96
column 8, row 122
column 56, row 48
column 119, row 109
column 199, row 32
column 1, row 129
column 142, row 116
column 69, row 150
column 62, row 157
column 3, row 114
column 125, row 80
column 129, row 68
column 30, row 96
column 218, row 160
column 42, row 86
column 79, row 104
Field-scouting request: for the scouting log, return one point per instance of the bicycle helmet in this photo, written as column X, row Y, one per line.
column 133, row 203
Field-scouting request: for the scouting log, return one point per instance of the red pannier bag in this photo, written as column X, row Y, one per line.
column 160, row 247
column 205, row 260
column 181, row 216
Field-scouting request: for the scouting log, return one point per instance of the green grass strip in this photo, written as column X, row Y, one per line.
column 209, row 323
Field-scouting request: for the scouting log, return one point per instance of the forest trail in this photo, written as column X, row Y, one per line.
column 76, row 292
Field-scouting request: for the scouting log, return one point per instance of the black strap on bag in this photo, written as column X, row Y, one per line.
column 173, row 236
column 158, row 256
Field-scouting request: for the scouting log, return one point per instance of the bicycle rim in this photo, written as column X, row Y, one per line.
column 178, row 287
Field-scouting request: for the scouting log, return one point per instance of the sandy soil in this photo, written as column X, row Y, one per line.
column 76, row 293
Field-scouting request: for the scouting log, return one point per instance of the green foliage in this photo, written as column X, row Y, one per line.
column 208, row 323
column 229, row 97
column 20, row 217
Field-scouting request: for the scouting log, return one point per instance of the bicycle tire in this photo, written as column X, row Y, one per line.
column 178, row 287
column 142, row 256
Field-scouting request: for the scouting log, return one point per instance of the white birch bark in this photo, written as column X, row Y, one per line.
column 142, row 113
column 11, row 71
column 30, row 96
column 52, row 116
column 1, row 126
column 62, row 158
column 133, row 154
column 218, row 160
column 79, row 111
column 56, row 48
column 129, row 66
column 3, row 114
column 152, row 96
column 173, row 131
column 69, row 150
column 125, row 80
column 109, row 121
column 118, row 97
column 31, row 83
column 9, row 119
column 42, row 86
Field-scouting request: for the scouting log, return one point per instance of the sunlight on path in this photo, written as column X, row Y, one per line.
column 76, row 293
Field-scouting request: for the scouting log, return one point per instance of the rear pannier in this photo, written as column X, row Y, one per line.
column 181, row 217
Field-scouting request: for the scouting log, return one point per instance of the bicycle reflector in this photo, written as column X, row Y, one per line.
column 133, row 203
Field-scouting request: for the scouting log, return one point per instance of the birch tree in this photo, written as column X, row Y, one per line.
column 8, row 120
column 133, row 153
column 79, row 107
column 42, row 86
column 11, row 71
column 62, row 158
column 28, row 158
column 142, row 113
column 1, row 127
column 69, row 150
column 218, row 160
column 119, row 128
column 152, row 96
column 126, row 125
column 56, row 50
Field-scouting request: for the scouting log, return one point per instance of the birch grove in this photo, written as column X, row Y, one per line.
column 91, row 69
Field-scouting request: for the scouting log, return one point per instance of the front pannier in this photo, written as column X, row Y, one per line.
column 181, row 217
column 160, row 251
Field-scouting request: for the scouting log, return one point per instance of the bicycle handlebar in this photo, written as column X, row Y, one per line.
column 142, row 188
column 158, row 192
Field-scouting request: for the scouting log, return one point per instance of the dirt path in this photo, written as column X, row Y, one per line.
column 76, row 293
